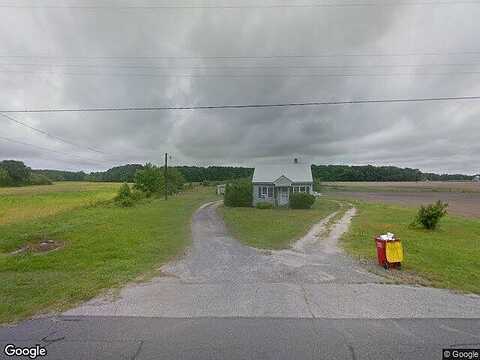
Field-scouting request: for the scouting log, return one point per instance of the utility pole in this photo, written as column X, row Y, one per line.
column 166, row 181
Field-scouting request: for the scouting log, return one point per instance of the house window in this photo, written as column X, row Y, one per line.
column 302, row 188
column 265, row 191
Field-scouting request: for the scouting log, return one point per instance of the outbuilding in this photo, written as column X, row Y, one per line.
column 275, row 183
column 221, row 189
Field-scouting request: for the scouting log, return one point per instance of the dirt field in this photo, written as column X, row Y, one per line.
column 463, row 204
column 448, row 186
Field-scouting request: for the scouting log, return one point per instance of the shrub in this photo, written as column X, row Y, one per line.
column 39, row 179
column 137, row 195
column 238, row 194
column 124, row 196
column 429, row 216
column 205, row 183
column 264, row 205
column 301, row 200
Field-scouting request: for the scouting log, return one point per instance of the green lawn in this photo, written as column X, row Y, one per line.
column 447, row 257
column 274, row 228
column 105, row 246
column 32, row 202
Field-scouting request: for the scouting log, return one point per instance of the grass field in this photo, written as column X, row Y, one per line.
column 30, row 202
column 448, row 257
column 104, row 246
column 274, row 228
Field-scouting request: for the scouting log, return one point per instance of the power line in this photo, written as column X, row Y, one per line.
column 247, row 57
column 51, row 150
column 49, row 135
column 239, row 76
column 246, row 106
column 236, row 67
column 271, row 6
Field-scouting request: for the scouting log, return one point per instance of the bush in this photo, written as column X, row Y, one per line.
column 264, row 205
column 124, row 196
column 301, row 200
column 238, row 194
column 39, row 179
column 137, row 195
column 429, row 216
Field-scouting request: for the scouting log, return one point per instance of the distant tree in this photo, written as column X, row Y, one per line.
column 175, row 181
column 39, row 179
column 366, row 173
column 151, row 180
column 124, row 173
column 4, row 178
column 18, row 173
column 62, row 175
column 214, row 173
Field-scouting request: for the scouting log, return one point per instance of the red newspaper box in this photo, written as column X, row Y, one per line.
column 382, row 257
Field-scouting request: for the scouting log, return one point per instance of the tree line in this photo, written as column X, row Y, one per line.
column 126, row 173
column 16, row 173
column 378, row 173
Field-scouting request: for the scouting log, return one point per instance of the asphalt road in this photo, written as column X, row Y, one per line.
column 226, row 300
column 140, row 338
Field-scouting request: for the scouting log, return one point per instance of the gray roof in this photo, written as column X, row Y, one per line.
column 294, row 172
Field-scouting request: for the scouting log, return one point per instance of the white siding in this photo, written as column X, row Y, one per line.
column 263, row 193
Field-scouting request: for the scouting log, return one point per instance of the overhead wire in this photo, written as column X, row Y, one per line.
column 53, row 151
column 21, row 123
column 248, row 6
column 252, row 57
column 259, row 75
column 237, row 67
column 246, row 106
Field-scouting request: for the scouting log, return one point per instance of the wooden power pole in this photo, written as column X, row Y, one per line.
column 166, row 181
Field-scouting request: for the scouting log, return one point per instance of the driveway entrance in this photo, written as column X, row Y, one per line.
column 224, row 300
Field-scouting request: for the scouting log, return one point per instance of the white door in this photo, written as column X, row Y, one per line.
column 282, row 196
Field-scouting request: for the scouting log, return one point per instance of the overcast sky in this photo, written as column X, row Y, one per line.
column 138, row 53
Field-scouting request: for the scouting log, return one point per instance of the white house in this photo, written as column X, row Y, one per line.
column 275, row 183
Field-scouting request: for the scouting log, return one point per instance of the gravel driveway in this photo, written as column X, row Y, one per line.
column 219, row 277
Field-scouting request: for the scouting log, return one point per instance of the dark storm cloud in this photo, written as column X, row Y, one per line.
column 112, row 57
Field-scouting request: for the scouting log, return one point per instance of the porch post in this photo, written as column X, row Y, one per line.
column 275, row 204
